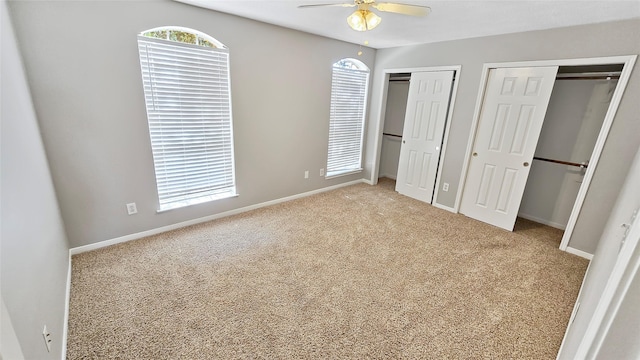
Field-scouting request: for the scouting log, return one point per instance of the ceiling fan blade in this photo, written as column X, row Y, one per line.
column 405, row 9
column 325, row 5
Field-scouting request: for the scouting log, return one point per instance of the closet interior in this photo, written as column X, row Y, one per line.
column 396, row 108
column 577, row 108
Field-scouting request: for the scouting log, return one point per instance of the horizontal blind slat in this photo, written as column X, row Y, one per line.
column 346, row 123
column 188, row 101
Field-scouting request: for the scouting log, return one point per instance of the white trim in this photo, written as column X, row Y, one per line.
column 622, row 274
column 375, row 166
column 574, row 311
column 444, row 207
column 368, row 182
column 377, row 154
column 542, row 221
column 628, row 61
column 597, row 150
column 388, row 176
column 126, row 238
column 472, row 135
column 445, row 139
column 65, row 326
column 566, row 62
column 582, row 254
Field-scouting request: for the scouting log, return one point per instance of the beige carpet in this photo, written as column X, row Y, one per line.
column 359, row 272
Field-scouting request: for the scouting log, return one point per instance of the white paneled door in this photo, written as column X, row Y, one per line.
column 513, row 111
column 427, row 106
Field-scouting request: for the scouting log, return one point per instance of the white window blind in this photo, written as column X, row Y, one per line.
column 346, row 124
column 188, row 100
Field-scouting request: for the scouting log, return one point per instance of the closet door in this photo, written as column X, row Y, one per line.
column 427, row 105
column 512, row 114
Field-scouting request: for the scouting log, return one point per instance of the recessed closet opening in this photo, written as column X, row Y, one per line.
column 538, row 132
column 396, row 108
column 578, row 105
column 417, row 115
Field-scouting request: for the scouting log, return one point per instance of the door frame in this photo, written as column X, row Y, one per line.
column 626, row 267
column 381, row 119
column 627, row 61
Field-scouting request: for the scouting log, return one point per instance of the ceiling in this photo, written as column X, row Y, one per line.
column 448, row 20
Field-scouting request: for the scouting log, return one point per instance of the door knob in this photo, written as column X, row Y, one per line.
column 437, row 148
column 526, row 164
column 404, row 142
column 475, row 154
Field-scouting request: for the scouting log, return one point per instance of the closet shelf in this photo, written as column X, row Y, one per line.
column 582, row 166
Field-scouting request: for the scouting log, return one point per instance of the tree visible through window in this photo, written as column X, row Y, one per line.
column 185, row 75
column 349, row 85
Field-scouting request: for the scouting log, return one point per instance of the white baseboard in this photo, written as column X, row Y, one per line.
column 126, row 238
column 582, row 254
column 543, row 221
column 65, row 327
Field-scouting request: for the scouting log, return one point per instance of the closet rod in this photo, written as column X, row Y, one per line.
column 407, row 79
column 394, row 135
column 589, row 76
column 615, row 77
column 583, row 166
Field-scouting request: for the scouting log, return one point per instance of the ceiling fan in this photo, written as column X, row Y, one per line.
column 364, row 19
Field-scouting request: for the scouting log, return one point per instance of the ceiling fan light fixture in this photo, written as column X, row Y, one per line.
column 363, row 20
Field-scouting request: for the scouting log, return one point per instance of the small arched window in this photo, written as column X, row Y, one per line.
column 349, row 88
column 183, row 35
column 185, row 76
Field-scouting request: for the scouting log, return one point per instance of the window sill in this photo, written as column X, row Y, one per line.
column 202, row 200
column 348, row 172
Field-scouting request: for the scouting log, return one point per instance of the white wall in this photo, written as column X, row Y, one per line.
column 621, row 341
column 9, row 344
column 571, row 126
column 597, row 40
column 390, row 156
column 82, row 63
column 628, row 200
column 33, row 250
column 397, row 95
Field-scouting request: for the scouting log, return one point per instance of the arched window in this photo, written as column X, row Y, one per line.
column 183, row 35
column 349, row 87
column 185, row 76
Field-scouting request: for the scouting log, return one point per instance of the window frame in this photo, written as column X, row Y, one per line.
column 334, row 156
column 189, row 114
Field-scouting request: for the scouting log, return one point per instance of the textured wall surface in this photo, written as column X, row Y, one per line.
column 34, row 250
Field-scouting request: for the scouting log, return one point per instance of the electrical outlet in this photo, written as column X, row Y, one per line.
column 132, row 209
column 306, row 174
column 322, row 172
column 47, row 338
column 445, row 187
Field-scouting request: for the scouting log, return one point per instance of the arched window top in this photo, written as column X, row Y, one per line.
column 352, row 64
column 183, row 35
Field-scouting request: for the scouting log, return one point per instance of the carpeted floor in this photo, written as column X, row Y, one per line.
column 355, row 273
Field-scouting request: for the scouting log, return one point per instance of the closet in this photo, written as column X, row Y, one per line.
column 396, row 108
column 538, row 126
column 579, row 102
column 417, row 118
